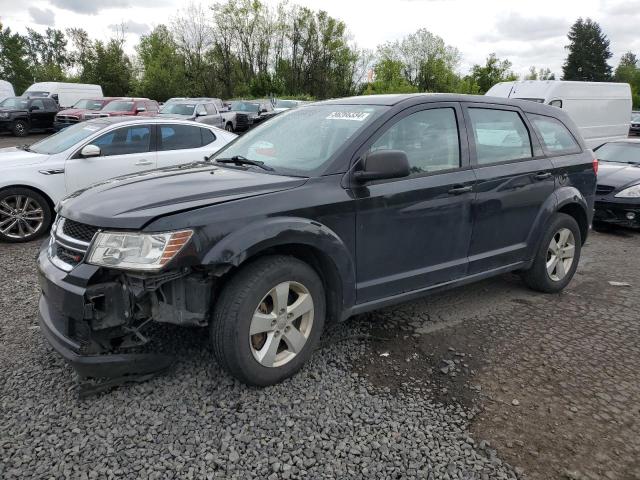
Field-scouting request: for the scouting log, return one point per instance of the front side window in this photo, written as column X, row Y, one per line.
column 555, row 137
column 175, row 108
column 429, row 138
column 303, row 140
column 210, row 108
column 499, row 135
column 201, row 110
column 179, row 137
column 125, row 141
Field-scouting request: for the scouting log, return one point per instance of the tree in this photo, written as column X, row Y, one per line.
column 494, row 71
column 14, row 63
column 541, row 74
column 627, row 71
column 162, row 66
column 588, row 53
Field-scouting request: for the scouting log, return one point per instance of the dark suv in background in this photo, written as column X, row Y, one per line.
column 20, row 115
column 325, row 211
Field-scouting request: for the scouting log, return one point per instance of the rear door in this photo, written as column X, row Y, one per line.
column 179, row 144
column 124, row 150
column 414, row 232
column 38, row 113
column 514, row 180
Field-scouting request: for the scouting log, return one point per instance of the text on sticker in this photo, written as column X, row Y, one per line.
column 356, row 116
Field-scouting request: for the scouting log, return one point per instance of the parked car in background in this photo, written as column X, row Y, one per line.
column 20, row 115
column 600, row 109
column 65, row 94
column 283, row 105
column 201, row 111
column 6, row 90
column 76, row 114
column 216, row 101
column 244, row 114
column 635, row 123
column 618, row 191
column 321, row 213
column 35, row 178
column 123, row 107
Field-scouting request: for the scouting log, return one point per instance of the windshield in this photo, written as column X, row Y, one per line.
column 66, row 138
column 118, row 107
column 619, row 152
column 302, row 140
column 36, row 94
column 15, row 102
column 286, row 103
column 635, row 117
column 88, row 104
column 244, row 107
column 178, row 109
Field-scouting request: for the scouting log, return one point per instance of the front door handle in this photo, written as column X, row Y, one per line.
column 144, row 162
column 459, row 190
column 543, row 175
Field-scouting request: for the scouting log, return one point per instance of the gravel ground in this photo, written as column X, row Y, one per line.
column 463, row 385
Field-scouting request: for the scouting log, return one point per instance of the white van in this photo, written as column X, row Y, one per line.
column 601, row 110
column 6, row 90
column 66, row 94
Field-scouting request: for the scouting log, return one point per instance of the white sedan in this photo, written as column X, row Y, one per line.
column 34, row 178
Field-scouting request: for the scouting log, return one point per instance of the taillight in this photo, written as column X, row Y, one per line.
column 595, row 165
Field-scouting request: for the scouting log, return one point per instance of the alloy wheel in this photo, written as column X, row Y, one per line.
column 281, row 324
column 20, row 216
column 560, row 254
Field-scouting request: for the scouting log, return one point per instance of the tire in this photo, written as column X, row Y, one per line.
column 539, row 277
column 248, row 291
column 29, row 208
column 229, row 127
column 20, row 128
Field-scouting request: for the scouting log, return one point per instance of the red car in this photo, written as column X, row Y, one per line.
column 78, row 112
column 126, row 107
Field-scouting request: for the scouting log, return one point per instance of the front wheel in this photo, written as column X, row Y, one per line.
column 24, row 215
column 229, row 127
column 20, row 128
column 268, row 320
column 558, row 255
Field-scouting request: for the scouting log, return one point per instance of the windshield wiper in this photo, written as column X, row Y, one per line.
column 240, row 160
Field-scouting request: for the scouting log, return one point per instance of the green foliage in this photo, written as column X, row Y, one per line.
column 163, row 68
column 541, row 74
column 493, row 71
column 628, row 72
column 588, row 53
column 14, row 63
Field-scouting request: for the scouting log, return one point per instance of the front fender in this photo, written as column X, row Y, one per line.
column 252, row 239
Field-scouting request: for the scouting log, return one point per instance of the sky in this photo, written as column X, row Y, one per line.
column 527, row 32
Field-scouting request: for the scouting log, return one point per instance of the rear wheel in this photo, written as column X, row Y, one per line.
column 268, row 320
column 24, row 215
column 558, row 255
column 20, row 128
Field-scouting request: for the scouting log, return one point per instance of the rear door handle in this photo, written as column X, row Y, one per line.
column 144, row 162
column 543, row 175
column 459, row 190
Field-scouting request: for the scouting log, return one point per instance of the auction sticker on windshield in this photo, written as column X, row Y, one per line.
column 355, row 116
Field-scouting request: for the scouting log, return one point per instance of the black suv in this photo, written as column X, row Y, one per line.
column 325, row 211
column 19, row 115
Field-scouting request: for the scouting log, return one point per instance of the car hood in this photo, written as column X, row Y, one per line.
column 75, row 111
column 617, row 175
column 133, row 201
column 16, row 157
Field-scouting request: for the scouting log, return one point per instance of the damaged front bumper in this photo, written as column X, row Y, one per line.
column 95, row 318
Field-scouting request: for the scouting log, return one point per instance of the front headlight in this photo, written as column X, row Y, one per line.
column 631, row 192
column 137, row 251
column 4, row 115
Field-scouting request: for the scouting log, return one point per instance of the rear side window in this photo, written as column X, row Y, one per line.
column 38, row 103
column 428, row 137
column 207, row 136
column 555, row 137
column 179, row 137
column 499, row 135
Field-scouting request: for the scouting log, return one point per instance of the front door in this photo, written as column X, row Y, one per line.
column 514, row 181
column 38, row 113
column 124, row 150
column 414, row 232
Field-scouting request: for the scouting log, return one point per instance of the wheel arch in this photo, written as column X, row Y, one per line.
column 41, row 192
column 307, row 240
column 571, row 202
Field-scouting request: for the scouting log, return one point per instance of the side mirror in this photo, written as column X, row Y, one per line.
column 383, row 164
column 90, row 151
column 140, row 109
column 201, row 114
column 263, row 110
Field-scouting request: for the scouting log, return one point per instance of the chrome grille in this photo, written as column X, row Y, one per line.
column 604, row 189
column 69, row 243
